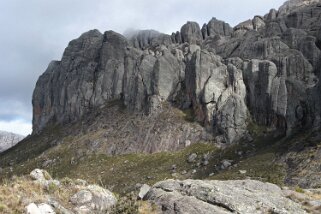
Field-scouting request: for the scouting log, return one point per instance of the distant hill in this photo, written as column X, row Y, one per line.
column 8, row 140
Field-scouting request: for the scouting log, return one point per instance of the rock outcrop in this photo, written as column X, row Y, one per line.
column 75, row 196
column 39, row 209
column 240, row 196
column 265, row 70
column 8, row 140
column 83, row 198
column 93, row 199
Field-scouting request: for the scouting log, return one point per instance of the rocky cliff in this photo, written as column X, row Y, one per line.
column 265, row 71
column 8, row 140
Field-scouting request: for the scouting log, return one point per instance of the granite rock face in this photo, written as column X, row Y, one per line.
column 264, row 70
column 239, row 196
column 216, row 27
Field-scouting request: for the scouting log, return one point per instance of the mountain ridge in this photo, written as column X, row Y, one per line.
column 212, row 71
column 8, row 140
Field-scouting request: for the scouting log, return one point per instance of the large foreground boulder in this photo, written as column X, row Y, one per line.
column 93, row 199
column 239, row 196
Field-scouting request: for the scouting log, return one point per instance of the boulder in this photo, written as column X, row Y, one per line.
column 43, row 178
column 143, row 191
column 239, row 196
column 226, row 164
column 192, row 158
column 40, row 175
column 93, row 198
column 32, row 209
column 46, row 209
column 40, row 209
column 58, row 207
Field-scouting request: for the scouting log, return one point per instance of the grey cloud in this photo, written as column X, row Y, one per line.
column 34, row 32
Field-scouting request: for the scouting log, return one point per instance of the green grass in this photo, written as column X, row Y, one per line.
column 36, row 145
column 255, row 129
column 141, row 168
column 118, row 173
column 3, row 207
column 259, row 167
column 299, row 189
column 189, row 115
column 121, row 173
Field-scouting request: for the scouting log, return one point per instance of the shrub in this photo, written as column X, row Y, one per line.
column 3, row 207
column 52, row 187
column 126, row 205
column 299, row 189
column 66, row 181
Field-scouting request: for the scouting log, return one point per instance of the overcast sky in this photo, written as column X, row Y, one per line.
column 34, row 32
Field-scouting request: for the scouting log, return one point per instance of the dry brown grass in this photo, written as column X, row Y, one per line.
column 17, row 193
column 144, row 207
column 315, row 196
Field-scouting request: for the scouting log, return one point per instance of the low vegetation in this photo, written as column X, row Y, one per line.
column 68, row 155
column 17, row 193
column 20, row 191
column 123, row 173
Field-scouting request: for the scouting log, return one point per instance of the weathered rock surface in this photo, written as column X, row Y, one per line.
column 239, row 196
column 32, row 209
column 292, row 5
column 43, row 178
column 191, row 33
column 93, row 199
column 143, row 191
column 265, row 70
column 81, row 198
column 216, row 27
column 39, row 209
column 8, row 140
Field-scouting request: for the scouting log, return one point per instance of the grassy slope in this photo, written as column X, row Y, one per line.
column 120, row 173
